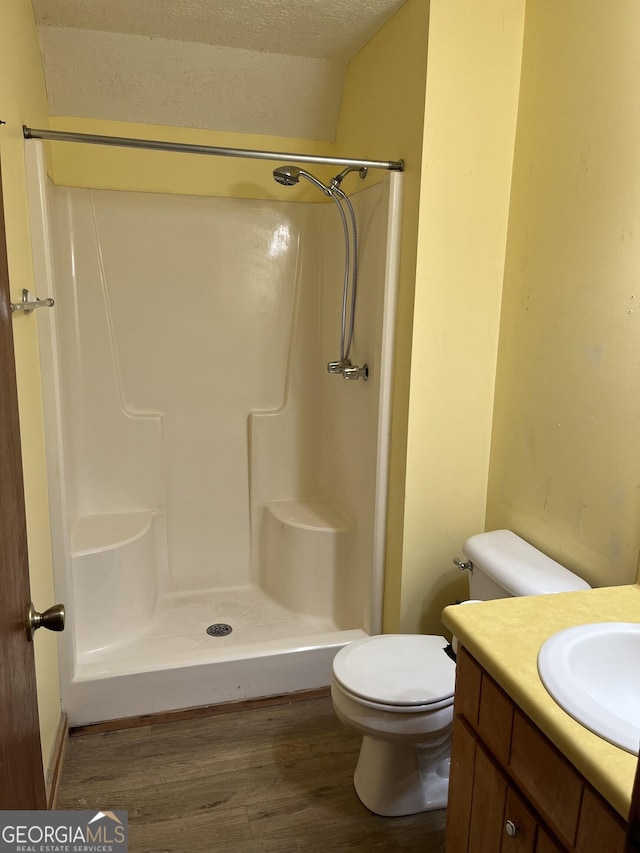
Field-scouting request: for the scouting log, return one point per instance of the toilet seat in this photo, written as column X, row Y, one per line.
column 405, row 673
column 390, row 709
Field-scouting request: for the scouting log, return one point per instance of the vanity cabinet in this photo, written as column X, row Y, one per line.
column 511, row 790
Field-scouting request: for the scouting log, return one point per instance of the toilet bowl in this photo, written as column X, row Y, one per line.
column 397, row 691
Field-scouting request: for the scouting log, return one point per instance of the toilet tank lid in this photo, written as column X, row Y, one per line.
column 517, row 566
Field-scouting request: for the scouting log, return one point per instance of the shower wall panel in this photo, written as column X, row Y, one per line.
column 176, row 316
column 113, row 456
column 320, row 443
column 350, row 409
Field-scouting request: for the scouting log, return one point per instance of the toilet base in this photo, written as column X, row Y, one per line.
column 392, row 779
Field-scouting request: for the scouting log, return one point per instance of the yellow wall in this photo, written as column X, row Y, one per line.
column 565, row 464
column 23, row 101
column 382, row 117
column 473, row 71
column 76, row 165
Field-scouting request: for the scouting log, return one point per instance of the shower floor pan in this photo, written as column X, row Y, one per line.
column 174, row 663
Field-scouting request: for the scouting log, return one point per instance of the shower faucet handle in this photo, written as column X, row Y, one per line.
column 356, row 372
column 348, row 370
column 338, row 366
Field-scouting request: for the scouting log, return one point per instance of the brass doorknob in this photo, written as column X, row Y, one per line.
column 52, row 619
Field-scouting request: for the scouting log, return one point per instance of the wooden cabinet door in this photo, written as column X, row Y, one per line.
column 545, row 844
column 521, row 821
column 488, row 804
column 481, row 802
column 549, row 781
column 463, row 757
column 600, row 828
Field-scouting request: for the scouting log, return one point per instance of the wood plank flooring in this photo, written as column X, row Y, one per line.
column 251, row 781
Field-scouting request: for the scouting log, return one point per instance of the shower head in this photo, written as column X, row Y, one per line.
column 287, row 175
column 290, row 175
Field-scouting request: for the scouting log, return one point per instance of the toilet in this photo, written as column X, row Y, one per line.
column 397, row 689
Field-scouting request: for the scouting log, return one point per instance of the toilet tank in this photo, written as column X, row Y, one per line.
column 504, row 566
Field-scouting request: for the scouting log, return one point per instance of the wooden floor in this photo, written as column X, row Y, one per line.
column 263, row 779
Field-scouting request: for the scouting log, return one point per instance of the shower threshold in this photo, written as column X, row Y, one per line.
column 175, row 664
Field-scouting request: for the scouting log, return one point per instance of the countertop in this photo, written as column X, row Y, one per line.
column 505, row 635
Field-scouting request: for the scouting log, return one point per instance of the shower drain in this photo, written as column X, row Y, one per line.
column 219, row 630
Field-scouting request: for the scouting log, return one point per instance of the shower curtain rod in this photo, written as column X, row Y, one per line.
column 185, row 148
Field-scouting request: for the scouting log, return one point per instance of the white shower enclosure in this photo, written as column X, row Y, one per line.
column 205, row 470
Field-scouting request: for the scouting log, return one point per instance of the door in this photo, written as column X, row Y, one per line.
column 21, row 775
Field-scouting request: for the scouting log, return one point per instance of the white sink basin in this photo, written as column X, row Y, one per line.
column 593, row 672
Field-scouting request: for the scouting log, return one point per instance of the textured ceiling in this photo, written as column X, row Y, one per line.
column 322, row 29
column 215, row 64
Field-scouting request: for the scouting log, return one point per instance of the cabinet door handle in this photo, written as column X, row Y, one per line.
column 511, row 829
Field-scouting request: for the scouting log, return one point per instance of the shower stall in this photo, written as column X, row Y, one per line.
column 218, row 498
